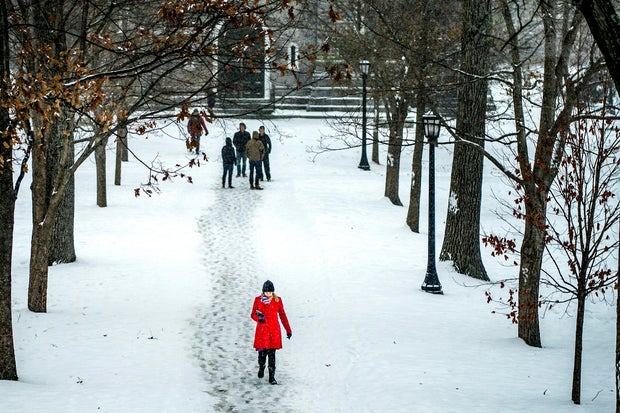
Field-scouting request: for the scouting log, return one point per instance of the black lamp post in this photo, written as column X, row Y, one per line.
column 432, row 125
column 364, row 66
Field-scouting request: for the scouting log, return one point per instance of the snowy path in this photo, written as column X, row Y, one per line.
column 224, row 329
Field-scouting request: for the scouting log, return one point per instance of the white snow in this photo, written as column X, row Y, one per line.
column 453, row 203
column 155, row 314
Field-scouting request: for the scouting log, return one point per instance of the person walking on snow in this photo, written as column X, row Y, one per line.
column 264, row 138
column 240, row 140
column 256, row 151
column 195, row 126
column 228, row 159
column 268, row 312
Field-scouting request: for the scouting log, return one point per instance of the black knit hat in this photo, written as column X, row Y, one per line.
column 268, row 287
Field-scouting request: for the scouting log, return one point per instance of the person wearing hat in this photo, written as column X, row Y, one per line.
column 268, row 312
column 195, row 126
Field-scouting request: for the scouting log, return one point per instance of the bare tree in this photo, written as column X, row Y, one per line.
column 604, row 23
column 584, row 209
column 561, row 91
column 381, row 32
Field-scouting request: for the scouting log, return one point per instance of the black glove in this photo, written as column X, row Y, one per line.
column 289, row 335
column 261, row 316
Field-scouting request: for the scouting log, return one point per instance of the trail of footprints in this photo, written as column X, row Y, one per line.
column 224, row 330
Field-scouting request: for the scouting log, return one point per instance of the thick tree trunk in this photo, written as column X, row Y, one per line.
column 529, row 273
column 413, row 211
column 37, row 288
column 100, row 163
column 604, row 23
column 581, row 308
column 392, row 173
column 61, row 246
column 461, row 243
column 62, row 238
column 8, row 366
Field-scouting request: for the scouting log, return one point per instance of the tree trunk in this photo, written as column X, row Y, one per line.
column 413, row 212
column 125, row 147
column 604, row 24
column 581, row 308
column 618, row 343
column 62, row 237
column 8, row 366
column 397, row 123
column 461, row 243
column 100, row 163
column 121, row 139
column 529, row 273
column 375, row 134
column 37, row 288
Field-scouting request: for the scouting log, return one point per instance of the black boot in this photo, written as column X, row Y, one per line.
column 262, row 358
column 271, row 353
column 272, row 374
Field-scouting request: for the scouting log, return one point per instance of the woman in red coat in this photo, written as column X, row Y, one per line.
column 268, row 337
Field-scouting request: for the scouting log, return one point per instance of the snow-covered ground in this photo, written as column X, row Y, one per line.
column 154, row 315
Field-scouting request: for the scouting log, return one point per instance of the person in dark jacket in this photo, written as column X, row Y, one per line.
column 196, row 126
column 268, row 312
column 228, row 160
column 240, row 140
column 264, row 138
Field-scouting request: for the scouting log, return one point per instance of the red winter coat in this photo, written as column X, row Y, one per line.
column 268, row 334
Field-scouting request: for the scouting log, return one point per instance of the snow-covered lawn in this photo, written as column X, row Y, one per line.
column 154, row 315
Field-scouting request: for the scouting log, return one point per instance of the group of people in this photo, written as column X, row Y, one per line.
column 243, row 149
column 240, row 150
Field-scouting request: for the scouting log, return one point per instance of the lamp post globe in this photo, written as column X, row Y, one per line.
column 364, row 67
column 432, row 126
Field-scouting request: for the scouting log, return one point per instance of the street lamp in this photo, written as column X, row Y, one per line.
column 432, row 125
column 364, row 66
